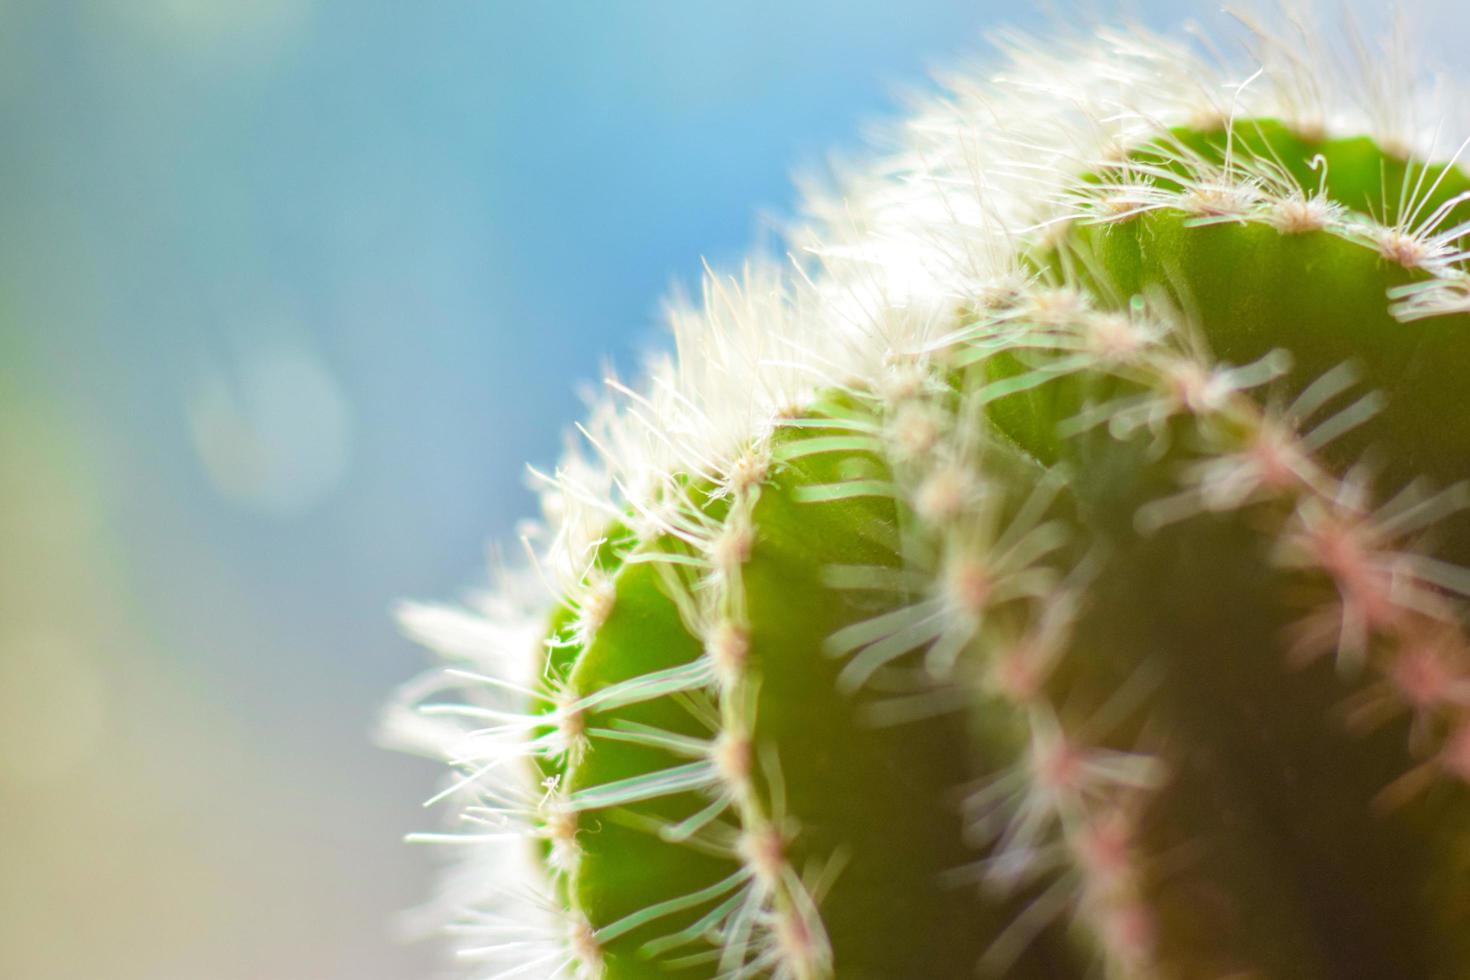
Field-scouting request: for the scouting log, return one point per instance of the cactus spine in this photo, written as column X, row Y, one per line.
column 1060, row 573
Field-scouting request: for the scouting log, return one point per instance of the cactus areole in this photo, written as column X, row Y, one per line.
column 1059, row 570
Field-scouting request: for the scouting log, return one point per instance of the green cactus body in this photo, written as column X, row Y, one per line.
column 1109, row 622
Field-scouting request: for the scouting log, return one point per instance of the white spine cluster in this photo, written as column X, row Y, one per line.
column 893, row 253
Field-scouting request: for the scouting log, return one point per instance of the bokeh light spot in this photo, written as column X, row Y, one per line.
column 273, row 429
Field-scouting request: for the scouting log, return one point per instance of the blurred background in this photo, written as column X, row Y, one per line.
column 289, row 292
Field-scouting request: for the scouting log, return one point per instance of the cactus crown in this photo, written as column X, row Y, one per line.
column 1055, row 573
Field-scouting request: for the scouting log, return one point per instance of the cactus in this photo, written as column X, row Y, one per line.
column 1058, row 571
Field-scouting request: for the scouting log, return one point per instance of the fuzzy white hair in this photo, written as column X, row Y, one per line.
column 890, row 252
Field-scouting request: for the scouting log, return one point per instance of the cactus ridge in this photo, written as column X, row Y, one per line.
column 1066, row 580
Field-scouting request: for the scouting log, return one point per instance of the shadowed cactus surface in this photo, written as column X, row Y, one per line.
column 1059, row 572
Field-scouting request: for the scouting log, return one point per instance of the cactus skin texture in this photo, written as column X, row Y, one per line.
column 1063, row 574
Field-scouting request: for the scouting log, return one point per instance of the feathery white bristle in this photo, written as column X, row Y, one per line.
column 893, row 251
